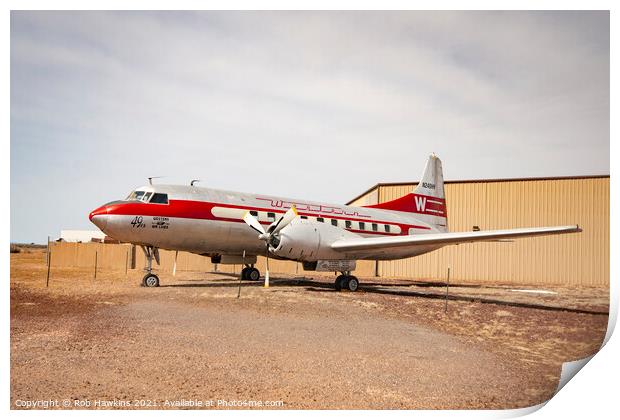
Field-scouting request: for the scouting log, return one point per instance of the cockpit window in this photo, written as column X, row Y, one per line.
column 135, row 195
column 159, row 198
column 143, row 196
column 148, row 197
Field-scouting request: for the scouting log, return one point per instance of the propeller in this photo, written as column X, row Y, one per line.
column 270, row 236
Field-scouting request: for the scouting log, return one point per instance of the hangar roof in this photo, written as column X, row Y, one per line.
column 469, row 181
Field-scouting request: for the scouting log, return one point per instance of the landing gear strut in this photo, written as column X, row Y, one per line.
column 346, row 281
column 250, row 273
column 150, row 279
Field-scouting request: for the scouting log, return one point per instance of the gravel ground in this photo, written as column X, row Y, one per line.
column 298, row 343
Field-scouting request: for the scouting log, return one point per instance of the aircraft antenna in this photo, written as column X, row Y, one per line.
column 194, row 181
column 151, row 178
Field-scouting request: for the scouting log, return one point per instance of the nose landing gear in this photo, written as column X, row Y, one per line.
column 150, row 279
column 346, row 281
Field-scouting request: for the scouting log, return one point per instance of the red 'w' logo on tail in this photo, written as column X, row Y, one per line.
column 420, row 203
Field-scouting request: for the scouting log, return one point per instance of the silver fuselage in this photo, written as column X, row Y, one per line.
column 210, row 222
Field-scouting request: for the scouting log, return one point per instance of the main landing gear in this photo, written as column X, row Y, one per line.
column 346, row 281
column 250, row 273
column 150, row 279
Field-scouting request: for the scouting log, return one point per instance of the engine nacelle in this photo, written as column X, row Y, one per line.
column 309, row 241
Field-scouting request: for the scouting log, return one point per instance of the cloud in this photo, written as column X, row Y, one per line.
column 318, row 105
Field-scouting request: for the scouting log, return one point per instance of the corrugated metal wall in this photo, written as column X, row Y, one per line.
column 573, row 259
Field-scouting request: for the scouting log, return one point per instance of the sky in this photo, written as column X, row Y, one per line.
column 311, row 105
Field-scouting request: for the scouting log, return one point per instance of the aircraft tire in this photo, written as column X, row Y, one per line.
column 253, row 274
column 339, row 283
column 244, row 273
column 150, row 280
column 352, row 283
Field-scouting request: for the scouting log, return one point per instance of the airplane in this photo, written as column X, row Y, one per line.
column 234, row 227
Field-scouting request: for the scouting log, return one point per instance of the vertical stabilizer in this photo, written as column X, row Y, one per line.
column 427, row 200
column 431, row 183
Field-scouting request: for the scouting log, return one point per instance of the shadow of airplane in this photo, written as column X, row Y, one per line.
column 442, row 296
column 401, row 283
column 273, row 281
column 382, row 288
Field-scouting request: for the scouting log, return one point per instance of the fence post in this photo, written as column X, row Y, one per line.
column 49, row 264
column 126, row 263
column 95, row 278
column 447, row 286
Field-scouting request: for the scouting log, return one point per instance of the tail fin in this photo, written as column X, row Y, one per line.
column 427, row 200
column 431, row 184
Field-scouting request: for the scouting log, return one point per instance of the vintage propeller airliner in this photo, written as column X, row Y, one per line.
column 234, row 228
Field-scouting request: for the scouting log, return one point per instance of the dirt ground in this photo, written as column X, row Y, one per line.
column 108, row 343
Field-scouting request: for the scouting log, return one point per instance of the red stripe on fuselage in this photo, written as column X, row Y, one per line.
column 201, row 210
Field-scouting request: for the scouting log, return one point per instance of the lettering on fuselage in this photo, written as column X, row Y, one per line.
column 157, row 222
column 160, row 222
column 137, row 222
column 428, row 185
column 317, row 208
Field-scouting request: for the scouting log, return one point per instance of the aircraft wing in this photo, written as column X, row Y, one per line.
column 449, row 238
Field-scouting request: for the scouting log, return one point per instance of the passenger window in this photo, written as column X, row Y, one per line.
column 254, row 213
column 271, row 215
column 319, row 219
column 334, row 222
column 159, row 198
column 362, row 225
column 375, row 227
column 347, row 224
column 146, row 197
column 387, row 228
column 304, row 217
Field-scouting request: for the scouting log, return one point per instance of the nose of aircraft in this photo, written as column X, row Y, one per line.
column 99, row 217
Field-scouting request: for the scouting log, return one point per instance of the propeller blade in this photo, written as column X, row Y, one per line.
column 283, row 221
column 253, row 223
